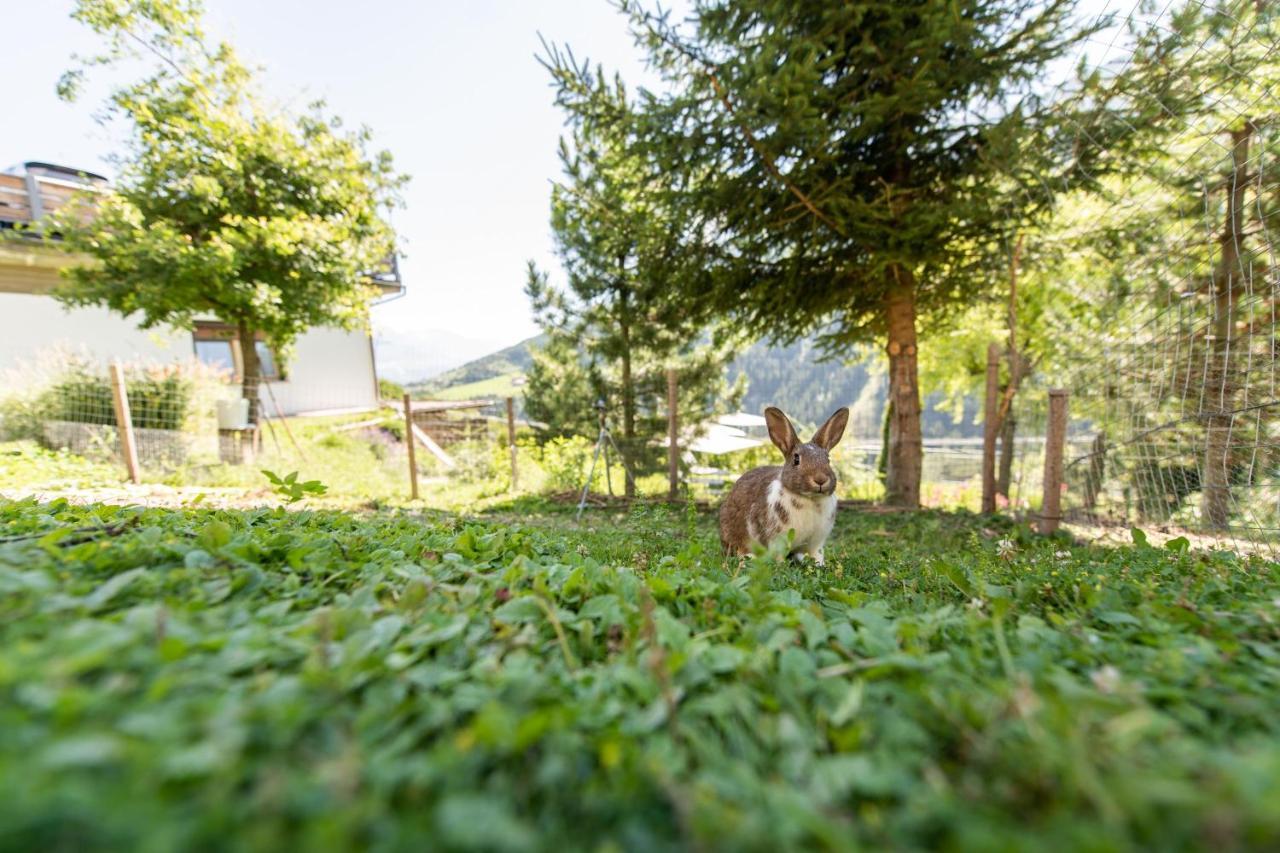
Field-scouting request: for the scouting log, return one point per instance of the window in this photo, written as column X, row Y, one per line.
column 266, row 360
column 218, row 345
column 219, row 354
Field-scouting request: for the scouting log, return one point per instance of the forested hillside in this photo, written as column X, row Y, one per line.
column 794, row 378
column 513, row 359
column 791, row 377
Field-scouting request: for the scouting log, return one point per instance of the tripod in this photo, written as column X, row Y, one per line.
column 603, row 442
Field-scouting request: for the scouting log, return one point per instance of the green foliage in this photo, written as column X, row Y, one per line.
column 564, row 461
column 560, row 391
column 27, row 466
column 198, row 679
column 844, row 169
column 389, row 390
column 23, row 413
column 614, row 328
column 289, row 487
column 1146, row 259
column 224, row 205
column 160, row 397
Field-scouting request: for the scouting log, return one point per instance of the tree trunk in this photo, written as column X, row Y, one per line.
column 251, row 372
column 628, row 396
column 1096, row 472
column 1008, row 431
column 906, row 449
column 1220, row 378
column 882, row 462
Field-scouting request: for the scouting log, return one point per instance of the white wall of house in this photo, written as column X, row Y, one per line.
column 32, row 323
column 331, row 369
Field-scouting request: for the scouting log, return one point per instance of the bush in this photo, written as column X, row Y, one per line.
column 159, row 397
column 58, row 386
column 389, row 390
column 564, row 462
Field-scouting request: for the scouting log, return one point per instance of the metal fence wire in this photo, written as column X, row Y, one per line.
column 1173, row 377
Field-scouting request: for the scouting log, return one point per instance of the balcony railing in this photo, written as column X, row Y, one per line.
column 42, row 188
column 39, row 190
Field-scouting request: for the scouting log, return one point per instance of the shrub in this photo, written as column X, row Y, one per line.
column 159, row 397
column 58, row 386
column 564, row 462
column 389, row 390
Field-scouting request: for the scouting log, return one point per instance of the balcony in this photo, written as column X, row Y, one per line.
column 31, row 191
column 26, row 196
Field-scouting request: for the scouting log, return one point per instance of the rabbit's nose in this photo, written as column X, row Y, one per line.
column 819, row 482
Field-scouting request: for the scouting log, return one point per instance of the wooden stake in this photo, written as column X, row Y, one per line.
column 1051, row 506
column 511, row 442
column 409, row 443
column 124, row 422
column 434, row 449
column 673, row 443
column 990, row 429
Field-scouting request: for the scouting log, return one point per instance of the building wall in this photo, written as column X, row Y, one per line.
column 331, row 369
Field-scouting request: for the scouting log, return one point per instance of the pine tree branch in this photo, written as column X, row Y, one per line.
column 709, row 69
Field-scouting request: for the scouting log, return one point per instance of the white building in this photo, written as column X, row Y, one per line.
column 331, row 370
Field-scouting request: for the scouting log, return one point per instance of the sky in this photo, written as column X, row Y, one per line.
column 452, row 89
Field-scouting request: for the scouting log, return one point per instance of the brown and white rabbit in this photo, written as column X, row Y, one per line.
column 798, row 495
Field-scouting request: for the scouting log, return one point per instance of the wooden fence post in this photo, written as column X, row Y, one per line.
column 124, row 422
column 511, row 442
column 409, row 443
column 1054, row 443
column 990, row 429
column 673, row 441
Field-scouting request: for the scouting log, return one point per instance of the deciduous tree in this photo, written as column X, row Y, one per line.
column 225, row 205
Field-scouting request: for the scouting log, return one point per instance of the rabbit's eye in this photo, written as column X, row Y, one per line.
column 795, row 459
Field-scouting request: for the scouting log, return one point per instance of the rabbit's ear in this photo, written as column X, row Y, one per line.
column 781, row 430
column 830, row 433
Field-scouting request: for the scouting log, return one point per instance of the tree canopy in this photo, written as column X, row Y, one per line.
column 849, row 166
column 615, row 327
column 225, row 205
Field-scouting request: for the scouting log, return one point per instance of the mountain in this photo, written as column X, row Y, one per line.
column 414, row 355
column 511, row 360
column 796, row 380
column 790, row 377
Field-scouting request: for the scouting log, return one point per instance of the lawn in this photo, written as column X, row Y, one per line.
column 180, row 679
column 495, row 387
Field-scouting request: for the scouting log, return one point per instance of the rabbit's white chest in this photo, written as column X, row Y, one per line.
column 811, row 517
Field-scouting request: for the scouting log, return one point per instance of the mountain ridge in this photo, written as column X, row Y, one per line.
column 792, row 377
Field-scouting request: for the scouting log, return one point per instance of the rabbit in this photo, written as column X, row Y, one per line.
column 798, row 495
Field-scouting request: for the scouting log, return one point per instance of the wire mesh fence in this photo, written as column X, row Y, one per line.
column 1173, row 381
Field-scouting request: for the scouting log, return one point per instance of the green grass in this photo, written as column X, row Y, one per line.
column 26, row 467
column 320, row 680
column 495, row 388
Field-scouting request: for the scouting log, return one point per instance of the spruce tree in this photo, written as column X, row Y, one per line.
column 614, row 328
column 850, row 163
